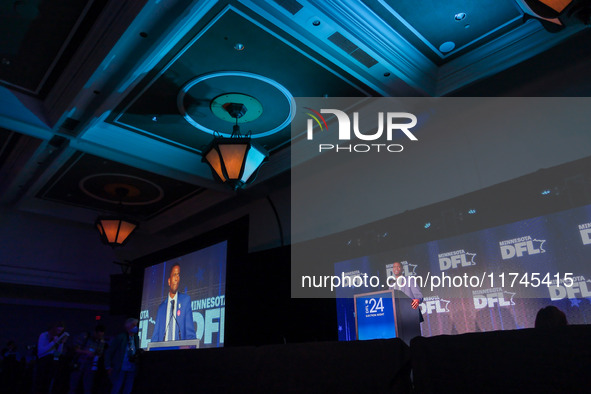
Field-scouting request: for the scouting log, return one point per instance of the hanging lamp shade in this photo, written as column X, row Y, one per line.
column 234, row 161
column 115, row 231
column 556, row 5
column 555, row 15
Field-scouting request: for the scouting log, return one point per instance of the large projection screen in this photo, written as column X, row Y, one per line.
column 203, row 282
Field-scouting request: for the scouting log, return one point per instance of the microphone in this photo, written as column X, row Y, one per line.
column 177, row 325
column 166, row 330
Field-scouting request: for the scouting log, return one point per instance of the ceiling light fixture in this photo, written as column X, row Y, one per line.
column 447, row 46
column 115, row 230
column 234, row 161
column 460, row 16
column 556, row 14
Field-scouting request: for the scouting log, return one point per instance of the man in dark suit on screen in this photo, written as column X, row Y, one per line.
column 174, row 320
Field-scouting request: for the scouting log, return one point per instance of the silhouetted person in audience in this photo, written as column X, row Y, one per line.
column 12, row 369
column 120, row 358
column 88, row 348
column 49, row 349
column 550, row 317
column 30, row 361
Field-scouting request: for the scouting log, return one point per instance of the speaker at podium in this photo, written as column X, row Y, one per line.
column 386, row 314
column 408, row 319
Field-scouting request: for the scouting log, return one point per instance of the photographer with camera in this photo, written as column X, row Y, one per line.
column 49, row 350
column 88, row 348
column 120, row 358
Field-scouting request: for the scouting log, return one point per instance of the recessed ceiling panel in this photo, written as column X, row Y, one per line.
column 36, row 34
column 441, row 29
column 233, row 54
column 95, row 183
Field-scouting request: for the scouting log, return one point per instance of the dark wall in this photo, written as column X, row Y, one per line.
column 260, row 309
column 125, row 294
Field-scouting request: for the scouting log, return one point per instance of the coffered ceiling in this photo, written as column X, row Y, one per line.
column 101, row 93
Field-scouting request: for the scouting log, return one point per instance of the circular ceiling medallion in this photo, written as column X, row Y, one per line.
column 254, row 109
column 107, row 188
column 270, row 106
column 125, row 190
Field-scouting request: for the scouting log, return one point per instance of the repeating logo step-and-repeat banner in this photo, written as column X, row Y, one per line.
column 494, row 279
